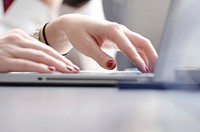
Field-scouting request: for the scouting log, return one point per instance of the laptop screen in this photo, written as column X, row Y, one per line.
column 180, row 43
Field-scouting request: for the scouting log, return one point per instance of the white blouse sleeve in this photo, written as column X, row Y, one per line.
column 26, row 15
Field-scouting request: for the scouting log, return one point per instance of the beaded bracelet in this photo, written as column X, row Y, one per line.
column 36, row 33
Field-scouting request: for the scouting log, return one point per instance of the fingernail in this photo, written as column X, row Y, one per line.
column 110, row 64
column 69, row 68
column 51, row 68
column 76, row 68
column 147, row 69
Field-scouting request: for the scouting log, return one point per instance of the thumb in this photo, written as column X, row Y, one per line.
column 103, row 59
column 90, row 48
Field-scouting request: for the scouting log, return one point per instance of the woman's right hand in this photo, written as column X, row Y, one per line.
column 90, row 36
column 19, row 52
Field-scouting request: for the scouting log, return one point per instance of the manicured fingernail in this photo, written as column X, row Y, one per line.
column 69, row 68
column 110, row 64
column 76, row 68
column 147, row 69
column 51, row 68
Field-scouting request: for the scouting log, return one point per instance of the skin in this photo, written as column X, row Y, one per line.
column 90, row 36
column 19, row 52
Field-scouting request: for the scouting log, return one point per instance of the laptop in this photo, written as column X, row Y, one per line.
column 178, row 49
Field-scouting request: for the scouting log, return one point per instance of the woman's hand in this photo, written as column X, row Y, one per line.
column 90, row 35
column 21, row 53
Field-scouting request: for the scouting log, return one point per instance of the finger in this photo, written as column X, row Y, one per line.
column 40, row 57
column 20, row 38
column 21, row 65
column 21, row 33
column 143, row 56
column 90, row 48
column 127, row 48
column 103, row 59
column 26, row 41
column 140, row 42
column 50, row 51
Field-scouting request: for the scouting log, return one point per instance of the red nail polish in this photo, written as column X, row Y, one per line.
column 52, row 68
column 147, row 69
column 110, row 64
column 76, row 68
column 69, row 68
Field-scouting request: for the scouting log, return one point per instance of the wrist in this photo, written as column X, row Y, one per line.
column 44, row 33
column 53, row 34
column 49, row 34
column 40, row 37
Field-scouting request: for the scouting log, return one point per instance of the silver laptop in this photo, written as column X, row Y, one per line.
column 178, row 49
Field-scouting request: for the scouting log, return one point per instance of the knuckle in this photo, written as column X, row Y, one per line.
column 24, row 65
column 40, row 54
column 35, row 53
column 12, row 37
column 147, row 42
column 132, row 54
column 123, row 26
column 101, row 58
column 113, row 26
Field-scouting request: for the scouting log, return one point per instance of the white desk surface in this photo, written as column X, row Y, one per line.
column 45, row 109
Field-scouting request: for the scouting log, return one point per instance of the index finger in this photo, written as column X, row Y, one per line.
column 117, row 35
column 144, row 44
column 48, row 50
